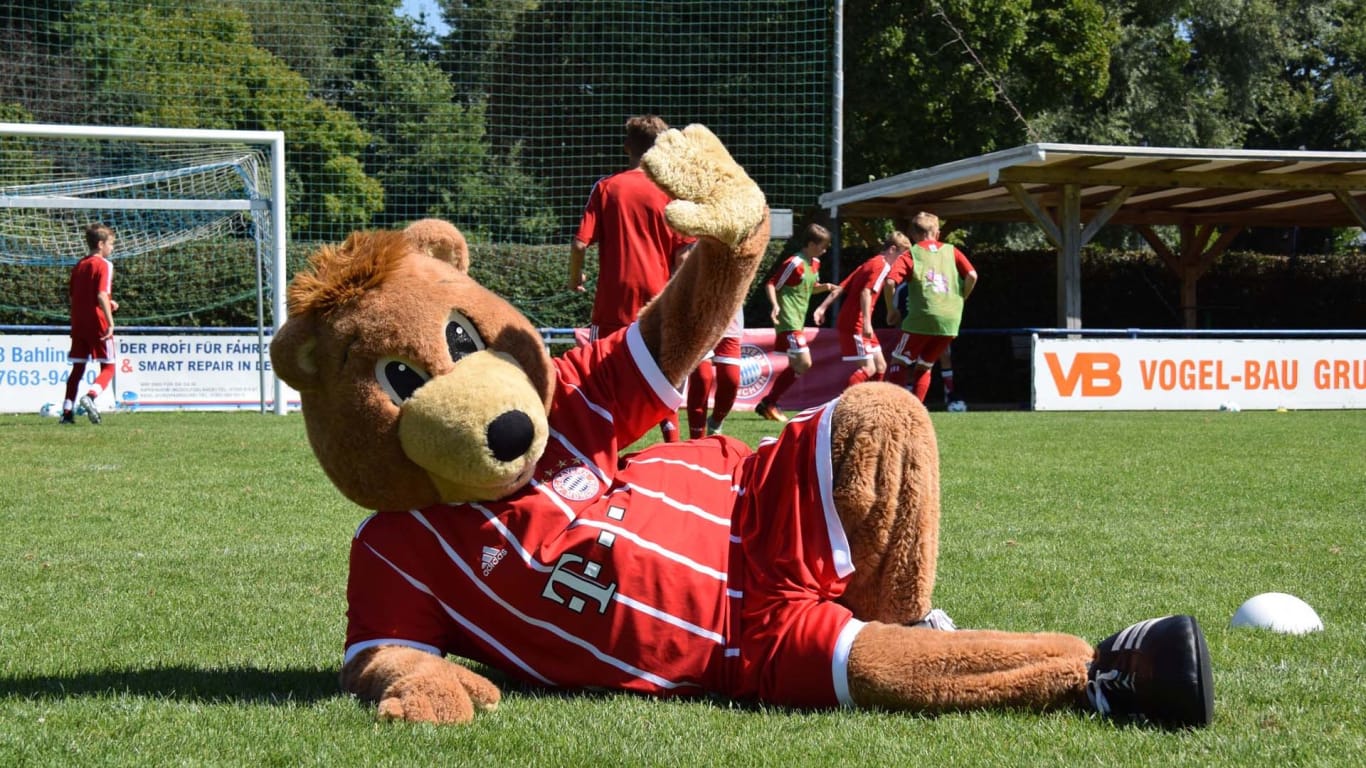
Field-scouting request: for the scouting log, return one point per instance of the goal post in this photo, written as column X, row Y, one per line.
column 188, row 197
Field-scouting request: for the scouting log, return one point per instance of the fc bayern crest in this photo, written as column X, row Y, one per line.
column 576, row 483
column 755, row 371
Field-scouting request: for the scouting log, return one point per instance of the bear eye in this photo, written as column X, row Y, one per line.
column 461, row 338
column 399, row 379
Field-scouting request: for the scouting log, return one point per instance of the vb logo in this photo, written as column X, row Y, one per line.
column 1096, row 372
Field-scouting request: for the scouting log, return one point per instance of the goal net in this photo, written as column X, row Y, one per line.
column 197, row 217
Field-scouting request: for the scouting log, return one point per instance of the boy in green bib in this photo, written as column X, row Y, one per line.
column 939, row 278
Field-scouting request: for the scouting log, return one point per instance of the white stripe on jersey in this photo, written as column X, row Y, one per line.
column 352, row 651
column 649, row 368
column 508, row 536
column 793, row 263
column 876, row 285
column 569, row 446
column 592, row 406
column 462, row 621
column 653, row 547
column 629, row 602
column 668, row 618
column 666, row 500
column 839, row 664
column 834, row 528
column 554, row 498
column 553, row 629
column 813, row 411
column 689, row 465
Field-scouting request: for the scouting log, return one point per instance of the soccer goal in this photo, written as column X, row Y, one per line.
column 199, row 217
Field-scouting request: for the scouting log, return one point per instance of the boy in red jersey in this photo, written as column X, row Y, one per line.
column 858, row 341
column 637, row 250
column 789, row 287
column 92, row 322
column 939, row 279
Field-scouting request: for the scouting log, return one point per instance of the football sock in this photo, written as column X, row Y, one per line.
column 699, row 388
column 105, row 376
column 73, row 381
column 780, row 385
column 669, row 429
column 920, row 382
column 727, row 388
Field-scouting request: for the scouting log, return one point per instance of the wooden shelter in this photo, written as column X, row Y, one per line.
column 1072, row 190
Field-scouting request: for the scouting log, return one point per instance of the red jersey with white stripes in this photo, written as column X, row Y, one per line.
column 666, row 572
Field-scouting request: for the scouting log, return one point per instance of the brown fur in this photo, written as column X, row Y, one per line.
column 895, row 667
column 337, row 275
column 886, row 465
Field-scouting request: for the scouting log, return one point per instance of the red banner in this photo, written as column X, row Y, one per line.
column 761, row 365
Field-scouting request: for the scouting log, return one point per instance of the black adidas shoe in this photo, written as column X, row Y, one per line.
column 1156, row 671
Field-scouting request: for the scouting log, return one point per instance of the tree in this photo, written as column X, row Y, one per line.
column 194, row 64
column 930, row 82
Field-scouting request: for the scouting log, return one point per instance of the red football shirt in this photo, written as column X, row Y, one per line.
column 870, row 275
column 91, row 276
column 685, row 568
column 625, row 218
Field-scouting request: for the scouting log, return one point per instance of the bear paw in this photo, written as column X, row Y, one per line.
column 713, row 196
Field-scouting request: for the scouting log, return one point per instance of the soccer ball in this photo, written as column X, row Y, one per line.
column 1229, row 406
column 1277, row 612
column 49, row 409
column 957, row 406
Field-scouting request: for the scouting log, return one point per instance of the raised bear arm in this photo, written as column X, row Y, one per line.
column 717, row 202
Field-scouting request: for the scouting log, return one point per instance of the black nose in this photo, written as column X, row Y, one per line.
column 510, row 435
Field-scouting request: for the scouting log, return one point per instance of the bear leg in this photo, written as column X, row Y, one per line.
column 926, row 670
column 885, row 461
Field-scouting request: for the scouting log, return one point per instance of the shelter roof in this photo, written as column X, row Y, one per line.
column 1159, row 185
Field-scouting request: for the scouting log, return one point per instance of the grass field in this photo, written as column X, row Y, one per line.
column 172, row 593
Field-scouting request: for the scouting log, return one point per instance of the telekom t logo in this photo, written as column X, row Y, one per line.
column 583, row 586
column 1097, row 372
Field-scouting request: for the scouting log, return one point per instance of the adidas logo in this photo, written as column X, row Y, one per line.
column 492, row 556
column 1132, row 637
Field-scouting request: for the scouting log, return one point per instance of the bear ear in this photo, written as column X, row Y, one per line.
column 440, row 240
column 292, row 353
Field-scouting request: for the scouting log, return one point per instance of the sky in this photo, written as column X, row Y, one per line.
column 413, row 8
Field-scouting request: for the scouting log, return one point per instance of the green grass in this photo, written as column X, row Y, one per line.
column 172, row 593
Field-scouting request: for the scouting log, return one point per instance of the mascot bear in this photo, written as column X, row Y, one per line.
column 513, row 530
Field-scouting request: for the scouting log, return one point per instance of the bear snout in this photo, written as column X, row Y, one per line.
column 510, row 435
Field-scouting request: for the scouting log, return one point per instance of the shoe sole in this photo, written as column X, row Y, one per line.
column 772, row 415
column 1205, row 674
column 1196, row 711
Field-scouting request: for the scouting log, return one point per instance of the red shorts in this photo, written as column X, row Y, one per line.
column 920, row 349
column 726, row 352
column 97, row 349
column 796, row 563
column 792, row 342
column 856, row 346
